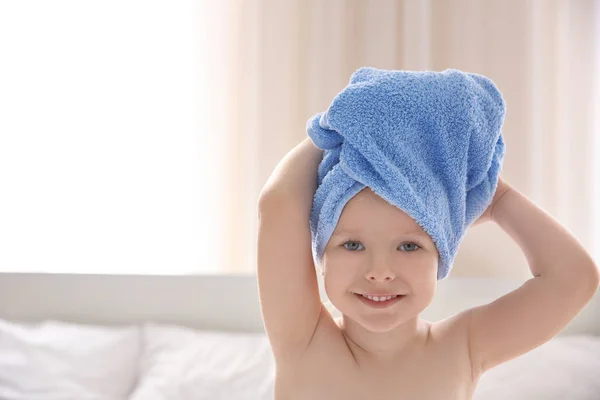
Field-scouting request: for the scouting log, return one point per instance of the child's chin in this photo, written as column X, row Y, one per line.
column 381, row 323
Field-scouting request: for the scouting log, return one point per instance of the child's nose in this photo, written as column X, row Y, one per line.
column 385, row 278
column 380, row 273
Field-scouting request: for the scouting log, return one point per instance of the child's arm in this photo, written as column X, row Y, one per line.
column 287, row 282
column 565, row 279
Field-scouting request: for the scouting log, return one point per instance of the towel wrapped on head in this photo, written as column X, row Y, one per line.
column 427, row 142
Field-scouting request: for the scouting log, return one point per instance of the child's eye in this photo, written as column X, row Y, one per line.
column 353, row 248
column 412, row 246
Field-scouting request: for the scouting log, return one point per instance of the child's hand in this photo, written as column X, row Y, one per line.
column 500, row 190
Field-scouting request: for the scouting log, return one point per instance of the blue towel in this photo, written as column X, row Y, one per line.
column 427, row 142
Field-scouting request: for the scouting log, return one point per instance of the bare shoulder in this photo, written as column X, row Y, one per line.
column 456, row 325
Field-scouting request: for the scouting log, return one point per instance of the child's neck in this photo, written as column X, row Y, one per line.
column 384, row 346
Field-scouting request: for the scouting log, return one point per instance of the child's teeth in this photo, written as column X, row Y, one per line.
column 376, row 298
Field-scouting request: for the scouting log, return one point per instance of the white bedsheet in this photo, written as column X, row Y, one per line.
column 64, row 361
column 563, row 368
column 54, row 360
column 181, row 364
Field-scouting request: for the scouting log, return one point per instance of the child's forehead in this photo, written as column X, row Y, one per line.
column 367, row 206
column 342, row 230
column 367, row 199
column 367, row 213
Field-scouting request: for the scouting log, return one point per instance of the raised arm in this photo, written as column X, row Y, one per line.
column 565, row 279
column 287, row 282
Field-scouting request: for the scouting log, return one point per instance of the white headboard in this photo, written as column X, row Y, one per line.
column 219, row 302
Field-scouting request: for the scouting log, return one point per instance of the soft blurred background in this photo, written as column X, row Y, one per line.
column 135, row 136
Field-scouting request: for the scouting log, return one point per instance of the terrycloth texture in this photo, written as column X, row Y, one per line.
column 427, row 142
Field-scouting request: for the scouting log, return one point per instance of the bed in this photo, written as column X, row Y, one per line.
column 69, row 336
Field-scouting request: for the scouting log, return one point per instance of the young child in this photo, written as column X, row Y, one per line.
column 382, row 349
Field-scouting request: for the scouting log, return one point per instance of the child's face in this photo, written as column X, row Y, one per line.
column 372, row 251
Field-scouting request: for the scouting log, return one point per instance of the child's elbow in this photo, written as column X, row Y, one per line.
column 595, row 279
column 591, row 278
column 582, row 281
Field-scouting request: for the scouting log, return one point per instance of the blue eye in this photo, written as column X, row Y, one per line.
column 412, row 249
column 353, row 249
column 413, row 244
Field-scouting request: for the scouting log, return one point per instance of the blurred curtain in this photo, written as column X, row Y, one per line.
column 292, row 57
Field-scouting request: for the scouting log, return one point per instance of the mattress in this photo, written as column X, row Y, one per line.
column 58, row 360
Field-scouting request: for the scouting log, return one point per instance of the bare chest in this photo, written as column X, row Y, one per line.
column 329, row 370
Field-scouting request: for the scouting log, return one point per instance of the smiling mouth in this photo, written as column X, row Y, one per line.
column 380, row 303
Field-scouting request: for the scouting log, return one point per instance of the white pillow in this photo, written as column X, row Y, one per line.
column 179, row 363
column 566, row 367
column 56, row 360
